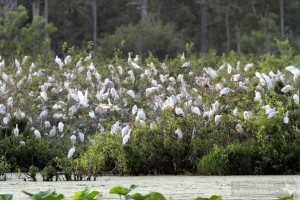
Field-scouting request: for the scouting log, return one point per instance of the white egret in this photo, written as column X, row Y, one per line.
column 2, row 109
column 239, row 128
column 88, row 58
column 286, row 118
column 71, row 152
column 59, row 62
column 295, row 71
column 195, row 110
column 37, row 134
column 22, row 143
column 16, row 130
column 52, row 132
column 134, row 109
column 296, row 99
column 81, row 137
column 115, row 128
column 218, row 119
column 47, row 124
column 179, row 133
column 257, row 96
column 68, row 60
column 287, row 88
column 247, row 115
column 224, row 91
column 179, row 112
column 125, row 130
column 186, row 64
column 61, row 127
column 73, row 139
column 126, row 137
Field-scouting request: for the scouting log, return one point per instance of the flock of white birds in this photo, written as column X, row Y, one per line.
column 51, row 97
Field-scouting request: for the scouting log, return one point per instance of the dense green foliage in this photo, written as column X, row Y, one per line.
column 247, row 26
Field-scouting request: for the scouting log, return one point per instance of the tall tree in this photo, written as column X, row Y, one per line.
column 204, row 16
column 144, row 10
column 94, row 16
column 35, row 8
column 281, row 18
column 46, row 15
column 9, row 5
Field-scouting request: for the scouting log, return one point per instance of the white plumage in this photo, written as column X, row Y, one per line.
column 287, row 88
column 71, row 152
column 37, row 134
column 61, row 127
column 296, row 99
column 179, row 111
column 73, row 139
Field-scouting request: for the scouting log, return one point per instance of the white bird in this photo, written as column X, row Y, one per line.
column 81, row 137
column 131, row 93
column 16, row 130
column 134, row 109
column 136, row 59
column 247, row 115
column 141, row 115
column 287, row 88
column 235, row 112
column 295, row 71
column 2, row 109
column 296, row 99
column 126, row 137
column 211, row 72
column 224, row 91
column 68, row 60
column 52, row 132
column 239, row 128
column 37, row 134
column 115, row 128
column 88, row 58
column 179, row 133
column 286, row 118
column 218, row 119
column 73, row 139
column 59, row 62
column 92, row 114
column 61, row 127
column 125, row 130
column 179, row 112
column 44, row 95
column 17, row 63
column 186, row 64
column 22, row 143
column 196, row 110
column 229, row 68
column 47, row 124
column 257, row 96
column 248, row 67
column 71, row 152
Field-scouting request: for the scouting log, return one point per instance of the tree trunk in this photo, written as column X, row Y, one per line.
column 238, row 37
column 281, row 19
column 9, row 5
column 203, row 40
column 46, row 16
column 94, row 15
column 227, row 30
column 144, row 11
column 35, row 8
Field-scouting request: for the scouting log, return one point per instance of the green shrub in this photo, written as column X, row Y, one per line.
column 48, row 173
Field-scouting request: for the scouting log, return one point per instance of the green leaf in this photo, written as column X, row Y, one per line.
column 214, row 197
column 6, row 196
column 132, row 187
column 137, row 196
column 155, row 196
column 92, row 195
column 119, row 190
column 45, row 195
column 287, row 198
